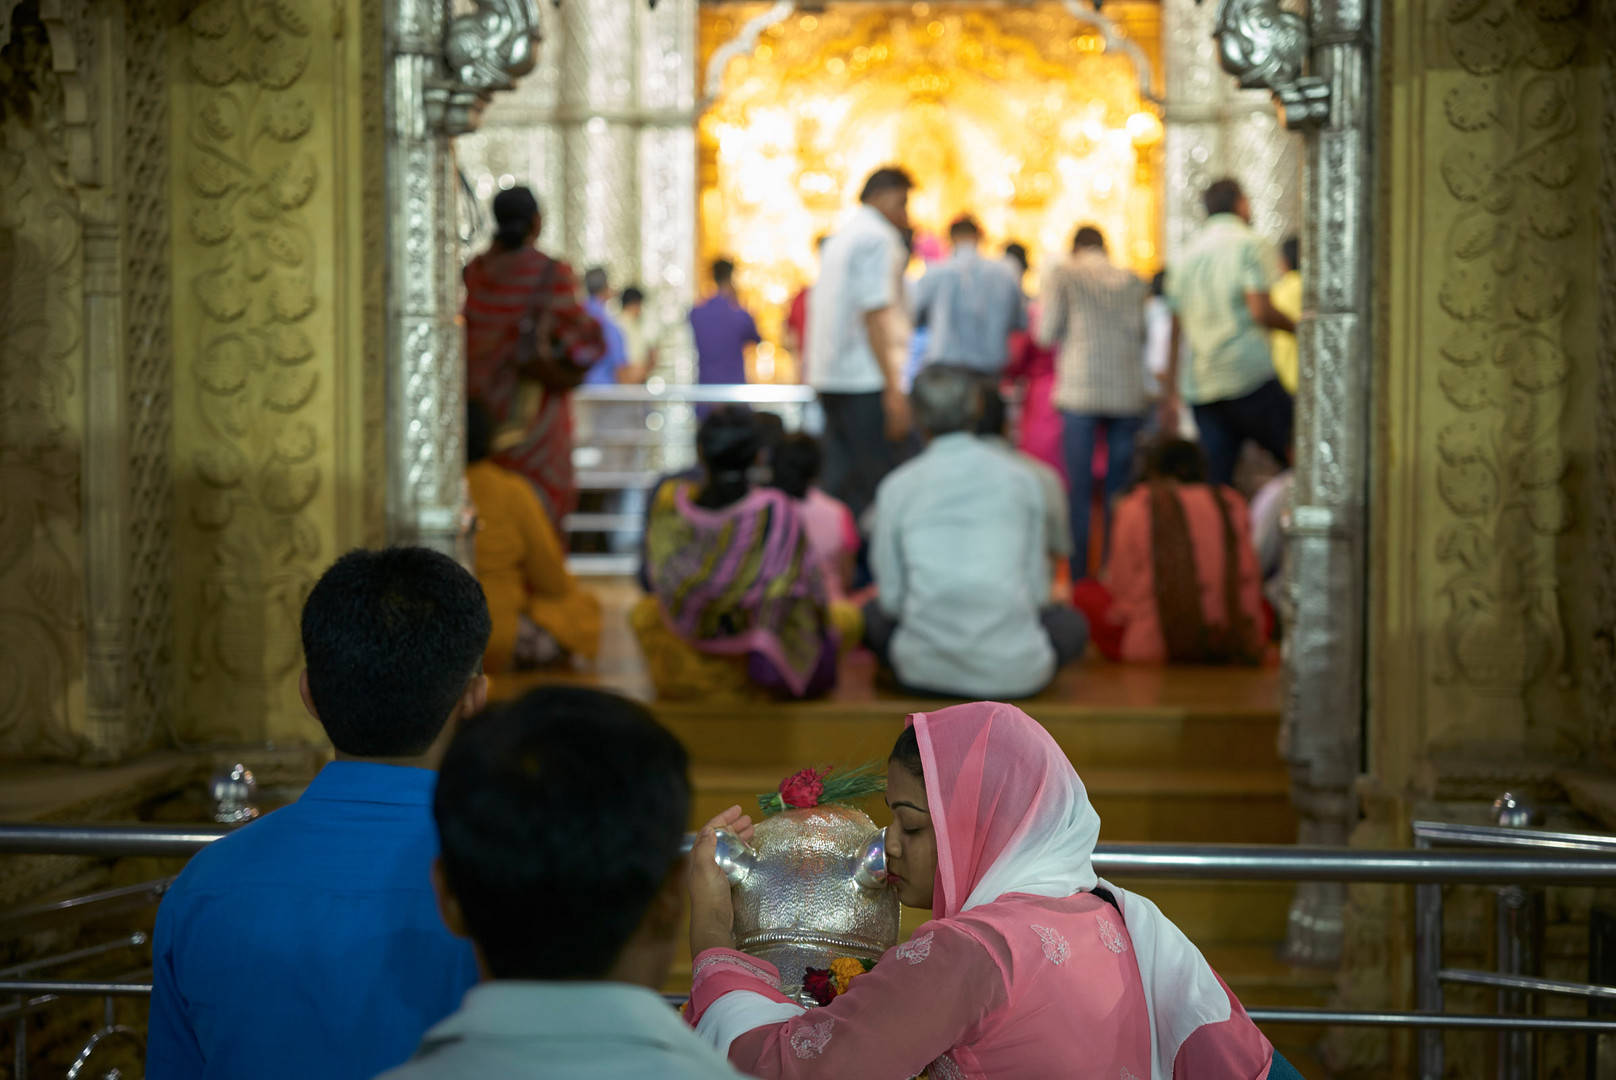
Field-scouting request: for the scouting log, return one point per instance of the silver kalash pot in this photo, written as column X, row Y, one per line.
column 811, row 888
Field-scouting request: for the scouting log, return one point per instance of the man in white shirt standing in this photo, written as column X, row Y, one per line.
column 853, row 360
column 960, row 557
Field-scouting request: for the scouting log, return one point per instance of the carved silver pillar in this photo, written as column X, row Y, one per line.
column 1267, row 47
column 440, row 73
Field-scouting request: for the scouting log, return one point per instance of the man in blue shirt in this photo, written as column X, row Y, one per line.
column 607, row 371
column 307, row 946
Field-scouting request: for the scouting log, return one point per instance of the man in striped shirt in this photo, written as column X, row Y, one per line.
column 1095, row 310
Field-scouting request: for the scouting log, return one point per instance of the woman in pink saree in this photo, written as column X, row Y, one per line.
column 1032, row 967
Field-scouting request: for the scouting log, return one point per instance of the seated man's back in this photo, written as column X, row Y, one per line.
column 307, row 946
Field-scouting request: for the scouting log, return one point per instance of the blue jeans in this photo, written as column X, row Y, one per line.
column 1080, row 431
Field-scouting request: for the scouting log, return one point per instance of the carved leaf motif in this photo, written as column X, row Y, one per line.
column 1468, row 388
column 261, row 21
column 289, row 389
column 1553, row 46
column 1462, row 441
column 225, row 365
column 1541, row 465
column 1464, row 543
column 211, row 508
column 281, row 67
column 292, row 299
column 1481, row 47
column 218, row 118
column 219, row 466
column 1539, row 289
column 1468, row 489
column 1470, row 343
column 293, row 183
column 290, row 15
column 288, row 117
column 1551, row 215
column 1555, row 165
column 1465, row 173
column 287, row 489
column 222, row 294
column 213, row 19
column 1499, row 194
column 211, row 224
column 1477, row 235
column 1520, row 414
column 1472, row 105
column 1535, row 362
column 289, row 345
column 1542, row 102
column 211, row 176
column 212, row 65
column 1466, row 293
column 1548, row 510
column 51, row 582
column 296, row 442
column 282, row 246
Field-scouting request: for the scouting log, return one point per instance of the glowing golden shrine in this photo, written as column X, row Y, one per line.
column 1015, row 115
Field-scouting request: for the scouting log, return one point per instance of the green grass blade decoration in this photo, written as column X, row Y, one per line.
column 816, row 787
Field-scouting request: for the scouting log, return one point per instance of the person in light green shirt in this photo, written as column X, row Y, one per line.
column 1219, row 291
column 1287, row 298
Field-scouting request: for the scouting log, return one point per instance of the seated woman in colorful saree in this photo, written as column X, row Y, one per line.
column 1032, row 967
column 737, row 606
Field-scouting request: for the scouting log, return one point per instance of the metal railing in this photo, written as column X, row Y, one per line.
column 1549, row 859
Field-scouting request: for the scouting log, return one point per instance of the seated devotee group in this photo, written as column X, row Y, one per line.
column 500, row 893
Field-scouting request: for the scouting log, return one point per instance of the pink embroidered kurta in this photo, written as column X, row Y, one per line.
column 1025, row 974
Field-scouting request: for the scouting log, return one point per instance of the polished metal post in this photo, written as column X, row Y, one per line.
column 1427, row 963
column 1518, row 944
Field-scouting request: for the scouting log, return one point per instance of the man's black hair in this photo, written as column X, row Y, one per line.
column 479, row 431
column 795, row 464
column 964, row 229
column 723, row 272
column 1292, row 250
column 632, row 295
column 595, row 280
column 1222, row 197
column 890, row 178
column 560, row 816
column 995, row 415
column 1018, row 251
column 391, row 639
column 1088, row 237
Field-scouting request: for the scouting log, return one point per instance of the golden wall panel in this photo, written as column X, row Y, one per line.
column 273, row 344
column 41, row 409
column 1480, row 621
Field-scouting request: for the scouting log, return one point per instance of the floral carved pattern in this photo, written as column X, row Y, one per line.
column 252, row 173
column 41, row 350
column 1504, row 365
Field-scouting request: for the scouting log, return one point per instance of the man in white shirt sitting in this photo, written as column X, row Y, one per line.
column 561, row 818
column 960, row 558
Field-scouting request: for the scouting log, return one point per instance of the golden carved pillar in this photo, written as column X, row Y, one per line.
column 278, row 341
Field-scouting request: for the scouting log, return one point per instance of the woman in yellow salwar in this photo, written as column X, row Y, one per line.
column 737, row 606
column 541, row 614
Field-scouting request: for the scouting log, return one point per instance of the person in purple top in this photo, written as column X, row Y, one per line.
column 723, row 329
column 607, row 370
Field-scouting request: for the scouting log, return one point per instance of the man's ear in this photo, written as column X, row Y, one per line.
column 448, row 904
column 308, row 698
column 475, row 699
column 666, row 917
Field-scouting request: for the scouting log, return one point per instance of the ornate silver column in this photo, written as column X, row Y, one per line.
column 1325, row 542
column 440, row 74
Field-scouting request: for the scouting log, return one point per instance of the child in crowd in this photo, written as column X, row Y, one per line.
column 833, row 536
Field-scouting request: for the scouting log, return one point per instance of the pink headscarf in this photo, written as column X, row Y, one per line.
column 1011, row 816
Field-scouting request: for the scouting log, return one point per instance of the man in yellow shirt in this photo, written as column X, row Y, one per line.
column 1286, row 296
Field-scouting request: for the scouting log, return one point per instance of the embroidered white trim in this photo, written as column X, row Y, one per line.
column 810, row 1042
column 916, row 950
column 747, row 966
column 1056, row 949
column 1127, row 1074
column 945, row 1068
column 1112, row 938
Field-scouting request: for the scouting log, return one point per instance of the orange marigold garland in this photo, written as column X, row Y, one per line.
column 824, row 984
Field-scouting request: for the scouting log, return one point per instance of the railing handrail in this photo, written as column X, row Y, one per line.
column 1227, row 862
column 652, row 393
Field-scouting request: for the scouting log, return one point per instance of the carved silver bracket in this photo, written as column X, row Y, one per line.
column 1265, row 47
column 486, row 51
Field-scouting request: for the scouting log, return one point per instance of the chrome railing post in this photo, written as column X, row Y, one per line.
column 1518, row 944
column 1427, row 965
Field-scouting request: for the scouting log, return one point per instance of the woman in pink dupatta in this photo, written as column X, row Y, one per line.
column 1032, row 968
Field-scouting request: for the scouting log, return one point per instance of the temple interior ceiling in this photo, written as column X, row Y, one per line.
column 1013, row 114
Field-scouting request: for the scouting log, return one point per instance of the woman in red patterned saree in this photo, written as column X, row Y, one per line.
column 528, row 344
